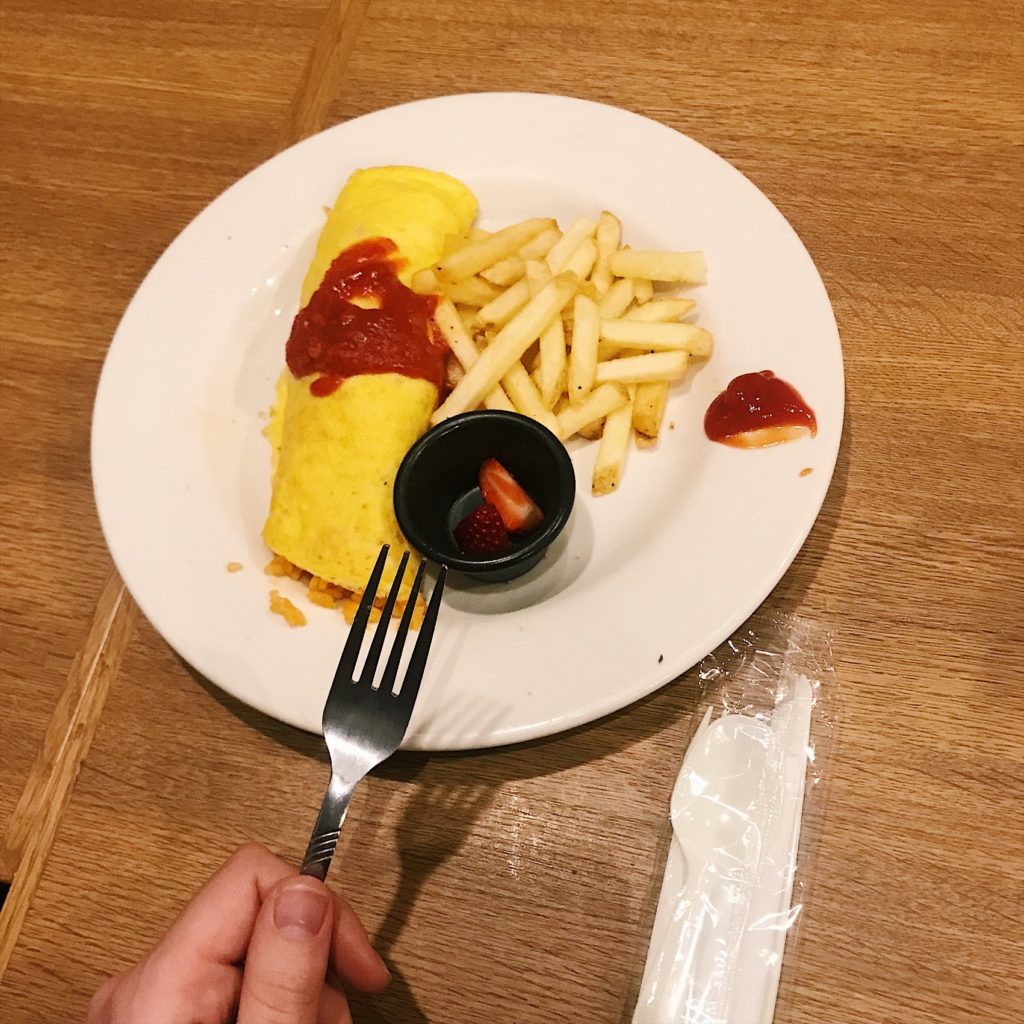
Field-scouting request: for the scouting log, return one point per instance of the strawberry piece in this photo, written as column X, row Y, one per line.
column 519, row 512
column 482, row 533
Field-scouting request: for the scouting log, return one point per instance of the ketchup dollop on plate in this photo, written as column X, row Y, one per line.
column 757, row 410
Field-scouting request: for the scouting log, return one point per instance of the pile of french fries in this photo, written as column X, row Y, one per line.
column 566, row 327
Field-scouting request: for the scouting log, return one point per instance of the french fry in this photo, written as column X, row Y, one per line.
column 519, row 386
column 537, row 248
column 453, row 243
column 537, row 274
column 447, row 318
column 485, row 252
column 616, row 300
column 639, row 369
column 602, row 401
column 551, row 368
column 468, row 317
column 609, row 233
column 500, row 310
column 700, row 345
column 580, row 229
column 649, row 410
column 589, row 432
column 473, row 291
column 611, row 453
column 601, row 277
column 453, row 372
column 581, row 262
column 583, row 353
column 614, row 303
column 505, row 272
column 507, row 346
column 465, row 351
column 658, row 337
column 682, row 267
column 661, row 310
column 425, row 282
column 531, row 358
column 599, row 367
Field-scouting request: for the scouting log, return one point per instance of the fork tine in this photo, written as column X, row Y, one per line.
column 387, row 682
column 418, row 661
column 373, row 656
column 355, row 637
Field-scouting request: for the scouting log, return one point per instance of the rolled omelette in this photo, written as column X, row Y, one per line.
column 364, row 368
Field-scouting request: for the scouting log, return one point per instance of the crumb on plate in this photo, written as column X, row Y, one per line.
column 806, row 471
column 282, row 606
column 233, row 567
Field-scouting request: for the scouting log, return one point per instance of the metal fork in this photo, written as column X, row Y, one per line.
column 363, row 724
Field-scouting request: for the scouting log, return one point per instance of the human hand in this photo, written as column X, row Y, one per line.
column 258, row 944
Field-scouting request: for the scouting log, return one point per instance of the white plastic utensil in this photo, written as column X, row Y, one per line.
column 719, row 933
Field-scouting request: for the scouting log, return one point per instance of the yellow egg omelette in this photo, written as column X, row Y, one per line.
column 338, row 441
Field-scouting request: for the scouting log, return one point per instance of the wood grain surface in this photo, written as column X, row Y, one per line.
column 44, row 798
column 517, row 885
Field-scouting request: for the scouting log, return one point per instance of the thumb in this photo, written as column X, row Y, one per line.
column 286, row 963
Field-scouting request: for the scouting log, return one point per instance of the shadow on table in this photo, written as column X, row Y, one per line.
column 297, row 740
column 435, row 823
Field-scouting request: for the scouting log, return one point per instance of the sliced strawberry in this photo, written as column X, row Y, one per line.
column 482, row 533
column 519, row 512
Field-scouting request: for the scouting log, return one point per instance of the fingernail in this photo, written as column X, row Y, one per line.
column 299, row 910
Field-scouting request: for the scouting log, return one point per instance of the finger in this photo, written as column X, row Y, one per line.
column 205, row 991
column 219, row 920
column 353, row 959
column 286, row 965
column 333, row 1008
column 100, row 1010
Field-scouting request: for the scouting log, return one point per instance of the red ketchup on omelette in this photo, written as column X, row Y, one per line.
column 363, row 319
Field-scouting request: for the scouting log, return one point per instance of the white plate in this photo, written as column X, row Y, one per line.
column 643, row 583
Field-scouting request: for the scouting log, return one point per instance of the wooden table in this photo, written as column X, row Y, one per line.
column 515, row 885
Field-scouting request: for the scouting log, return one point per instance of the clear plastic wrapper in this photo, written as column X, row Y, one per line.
column 745, row 816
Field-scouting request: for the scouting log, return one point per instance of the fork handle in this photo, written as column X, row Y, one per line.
column 324, row 839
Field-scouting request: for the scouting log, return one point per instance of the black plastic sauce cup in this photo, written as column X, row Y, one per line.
column 437, row 486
